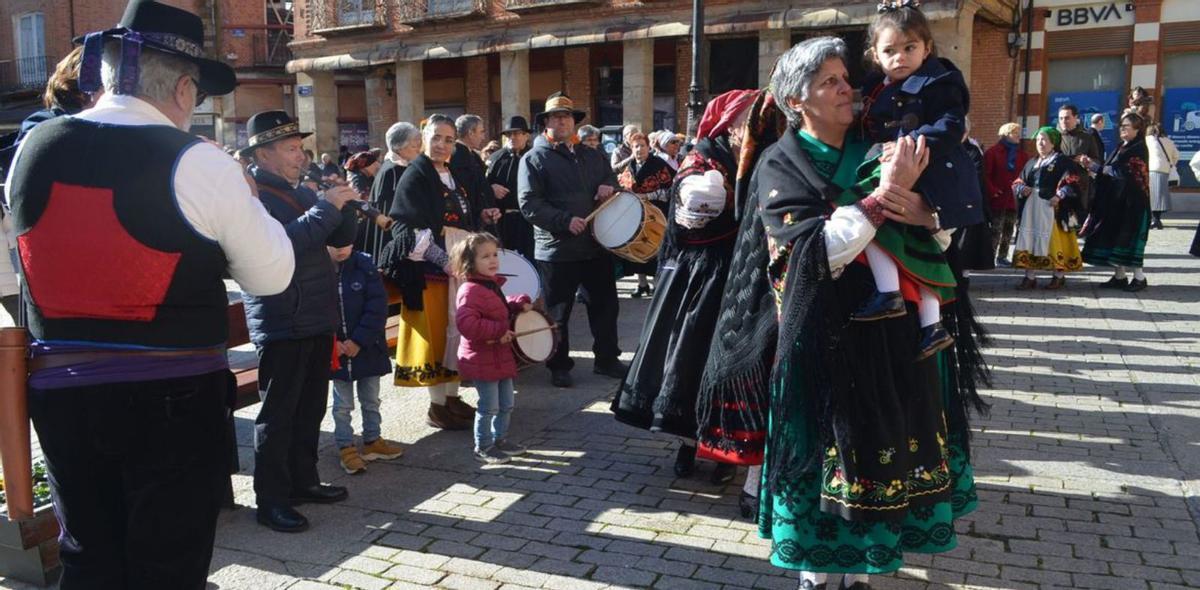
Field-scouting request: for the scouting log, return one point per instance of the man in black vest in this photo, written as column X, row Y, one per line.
column 127, row 225
column 515, row 231
column 293, row 331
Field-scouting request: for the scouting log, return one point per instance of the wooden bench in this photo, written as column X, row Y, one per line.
column 245, row 367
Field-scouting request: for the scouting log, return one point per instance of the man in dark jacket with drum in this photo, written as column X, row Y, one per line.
column 294, row 331
column 559, row 185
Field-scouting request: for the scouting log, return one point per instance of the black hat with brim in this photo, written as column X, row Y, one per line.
column 157, row 26
column 517, row 123
column 268, row 127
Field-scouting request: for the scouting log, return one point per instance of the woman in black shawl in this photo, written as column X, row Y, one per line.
column 660, row 391
column 649, row 178
column 1120, row 222
column 432, row 212
column 866, row 456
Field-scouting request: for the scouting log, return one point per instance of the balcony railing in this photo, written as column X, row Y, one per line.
column 518, row 5
column 26, row 73
column 332, row 16
column 270, row 48
column 414, row 11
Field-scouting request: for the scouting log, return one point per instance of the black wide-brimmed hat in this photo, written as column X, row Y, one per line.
column 517, row 123
column 559, row 103
column 152, row 25
column 267, row 127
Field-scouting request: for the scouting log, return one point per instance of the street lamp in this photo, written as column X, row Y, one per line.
column 696, row 90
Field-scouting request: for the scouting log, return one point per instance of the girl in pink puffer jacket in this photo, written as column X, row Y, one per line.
column 485, row 356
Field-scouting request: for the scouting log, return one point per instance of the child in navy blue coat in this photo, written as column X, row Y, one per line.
column 918, row 94
column 362, row 358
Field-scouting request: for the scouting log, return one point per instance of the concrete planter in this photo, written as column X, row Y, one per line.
column 29, row 547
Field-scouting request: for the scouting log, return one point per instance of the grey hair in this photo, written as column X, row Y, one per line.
column 158, row 72
column 630, row 129
column 587, row 131
column 432, row 123
column 465, row 124
column 796, row 69
column 400, row 134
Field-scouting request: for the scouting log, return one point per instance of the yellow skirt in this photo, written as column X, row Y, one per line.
column 1062, row 254
column 421, row 342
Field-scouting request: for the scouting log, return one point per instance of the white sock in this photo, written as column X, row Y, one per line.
column 851, row 579
column 929, row 309
column 1119, row 273
column 883, row 268
column 642, row 282
column 813, row 577
column 1138, row 275
column 451, row 389
column 753, row 479
column 1029, row 274
column 437, row 394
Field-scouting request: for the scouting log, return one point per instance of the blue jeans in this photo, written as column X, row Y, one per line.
column 343, row 404
column 492, row 414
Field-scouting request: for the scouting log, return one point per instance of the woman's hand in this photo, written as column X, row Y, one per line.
column 905, row 206
column 909, row 158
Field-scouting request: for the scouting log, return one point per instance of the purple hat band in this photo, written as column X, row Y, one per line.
column 131, row 50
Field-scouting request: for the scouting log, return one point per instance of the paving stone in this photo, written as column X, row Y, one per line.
column 624, row 576
column 360, row 580
column 416, row 575
column 461, row 582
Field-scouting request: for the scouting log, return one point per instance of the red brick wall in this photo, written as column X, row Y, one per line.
column 479, row 100
column 577, row 79
column 992, row 82
column 683, row 81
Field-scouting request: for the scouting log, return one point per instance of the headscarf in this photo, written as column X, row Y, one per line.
column 1053, row 134
column 722, row 110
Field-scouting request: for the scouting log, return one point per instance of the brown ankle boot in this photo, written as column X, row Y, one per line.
column 460, row 408
column 441, row 416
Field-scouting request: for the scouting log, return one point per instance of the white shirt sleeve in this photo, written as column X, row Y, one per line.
column 215, row 197
column 424, row 240
column 847, row 233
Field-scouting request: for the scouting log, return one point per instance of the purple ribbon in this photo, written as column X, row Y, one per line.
column 89, row 64
column 131, row 51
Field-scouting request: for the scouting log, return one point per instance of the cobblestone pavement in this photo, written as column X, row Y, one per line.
column 1086, row 467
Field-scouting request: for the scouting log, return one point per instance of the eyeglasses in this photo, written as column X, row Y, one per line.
column 201, row 95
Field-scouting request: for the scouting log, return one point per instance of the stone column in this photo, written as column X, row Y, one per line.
column 381, row 105
column 954, row 36
column 410, row 91
column 638, row 84
column 317, row 110
column 772, row 43
column 226, row 127
column 514, row 85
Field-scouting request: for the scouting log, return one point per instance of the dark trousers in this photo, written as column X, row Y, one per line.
column 293, row 377
column 596, row 280
column 137, row 472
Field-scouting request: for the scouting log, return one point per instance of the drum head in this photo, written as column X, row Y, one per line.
column 521, row 275
column 536, row 347
column 619, row 221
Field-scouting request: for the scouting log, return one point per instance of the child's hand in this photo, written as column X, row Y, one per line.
column 508, row 336
column 351, row 348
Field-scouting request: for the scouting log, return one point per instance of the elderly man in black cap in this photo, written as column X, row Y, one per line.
column 293, row 331
column 503, row 166
column 558, row 185
column 123, row 253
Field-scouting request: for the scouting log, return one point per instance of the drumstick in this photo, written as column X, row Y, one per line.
column 528, row 332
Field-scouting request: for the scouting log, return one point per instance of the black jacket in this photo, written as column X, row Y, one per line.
column 468, row 169
column 308, row 307
column 503, row 169
column 555, row 184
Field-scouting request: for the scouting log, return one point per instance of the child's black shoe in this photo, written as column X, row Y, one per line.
column 933, row 339
column 881, row 306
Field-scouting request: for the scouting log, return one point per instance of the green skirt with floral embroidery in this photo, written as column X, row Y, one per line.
column 806, row 538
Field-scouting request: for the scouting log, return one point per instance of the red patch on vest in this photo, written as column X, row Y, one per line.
column 80, row 261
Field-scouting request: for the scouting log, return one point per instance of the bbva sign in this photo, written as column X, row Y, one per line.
column 1108, row 14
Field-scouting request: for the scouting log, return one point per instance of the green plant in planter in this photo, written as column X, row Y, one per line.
column 41, row 485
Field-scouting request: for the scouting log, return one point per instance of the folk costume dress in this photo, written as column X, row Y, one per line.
column 866, row 456
column 650, row 180
column 1122, row 209
column 1045, row 240
column 432, row 213
column 660, row 391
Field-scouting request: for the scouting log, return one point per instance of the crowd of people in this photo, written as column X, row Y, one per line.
column 805, row 244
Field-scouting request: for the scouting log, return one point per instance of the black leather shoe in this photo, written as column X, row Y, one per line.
column 685, row 461
column 933, row 339
column 749, row 506
column 854, row 586
column 560, row 378
column 284, row 519
column 1114, row 283
column 615, row 369
column 724, row 473
column 1136, row 285
column 641, row 290
column 881, row 306
column 320, row 494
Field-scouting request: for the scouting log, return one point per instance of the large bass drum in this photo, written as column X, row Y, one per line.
column 629, row 227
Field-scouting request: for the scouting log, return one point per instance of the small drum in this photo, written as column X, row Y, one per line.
column 629, row 227
column 522, row 277
column 537, row 346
